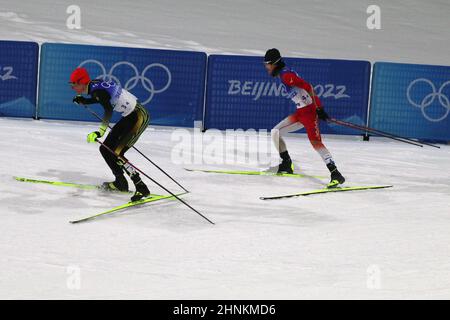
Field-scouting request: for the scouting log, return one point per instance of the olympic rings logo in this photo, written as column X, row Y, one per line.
column 133, row 81
column 430, row 98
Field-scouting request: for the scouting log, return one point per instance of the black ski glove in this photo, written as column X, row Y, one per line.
column 322, row 114
column 79, row 100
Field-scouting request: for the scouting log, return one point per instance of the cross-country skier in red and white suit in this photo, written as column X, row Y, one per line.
column 309, row 110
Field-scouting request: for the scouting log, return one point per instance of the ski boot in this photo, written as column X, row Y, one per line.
column 141, row 189
column 120, row 184
column 286, row 165
column 283, row 167
column 336, row 177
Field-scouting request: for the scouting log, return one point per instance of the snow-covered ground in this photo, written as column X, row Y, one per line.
column 413, row 31
column 391, row 243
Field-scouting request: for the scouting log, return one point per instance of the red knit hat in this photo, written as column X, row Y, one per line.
column 80, row 76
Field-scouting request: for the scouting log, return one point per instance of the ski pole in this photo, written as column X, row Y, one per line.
column 157, row 183
column 148, row 159
column 387, row 135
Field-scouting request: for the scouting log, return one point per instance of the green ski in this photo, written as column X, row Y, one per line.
column 339, row 189
column 258, row 173
column 127, row 205
column 67, row 184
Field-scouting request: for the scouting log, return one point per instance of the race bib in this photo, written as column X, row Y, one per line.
column 124, row 103
column 300, row 97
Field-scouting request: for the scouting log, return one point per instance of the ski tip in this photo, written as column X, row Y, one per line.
column 79, row 221
column 276, row 197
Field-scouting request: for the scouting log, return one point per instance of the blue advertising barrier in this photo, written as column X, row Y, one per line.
column 18, row 78
column 411, row 100
column 240, row 93
column 170, row 84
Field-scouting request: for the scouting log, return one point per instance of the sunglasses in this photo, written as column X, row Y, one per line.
column 274, row 62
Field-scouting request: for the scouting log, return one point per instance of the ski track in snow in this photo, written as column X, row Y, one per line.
column 310, row 247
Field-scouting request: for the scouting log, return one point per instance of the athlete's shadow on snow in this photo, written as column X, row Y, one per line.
column 80, row 178
column 54, row 201
column 284, row 213
column 309, row 177
column 42, row 198
column 69, row 176
column 167, row 214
